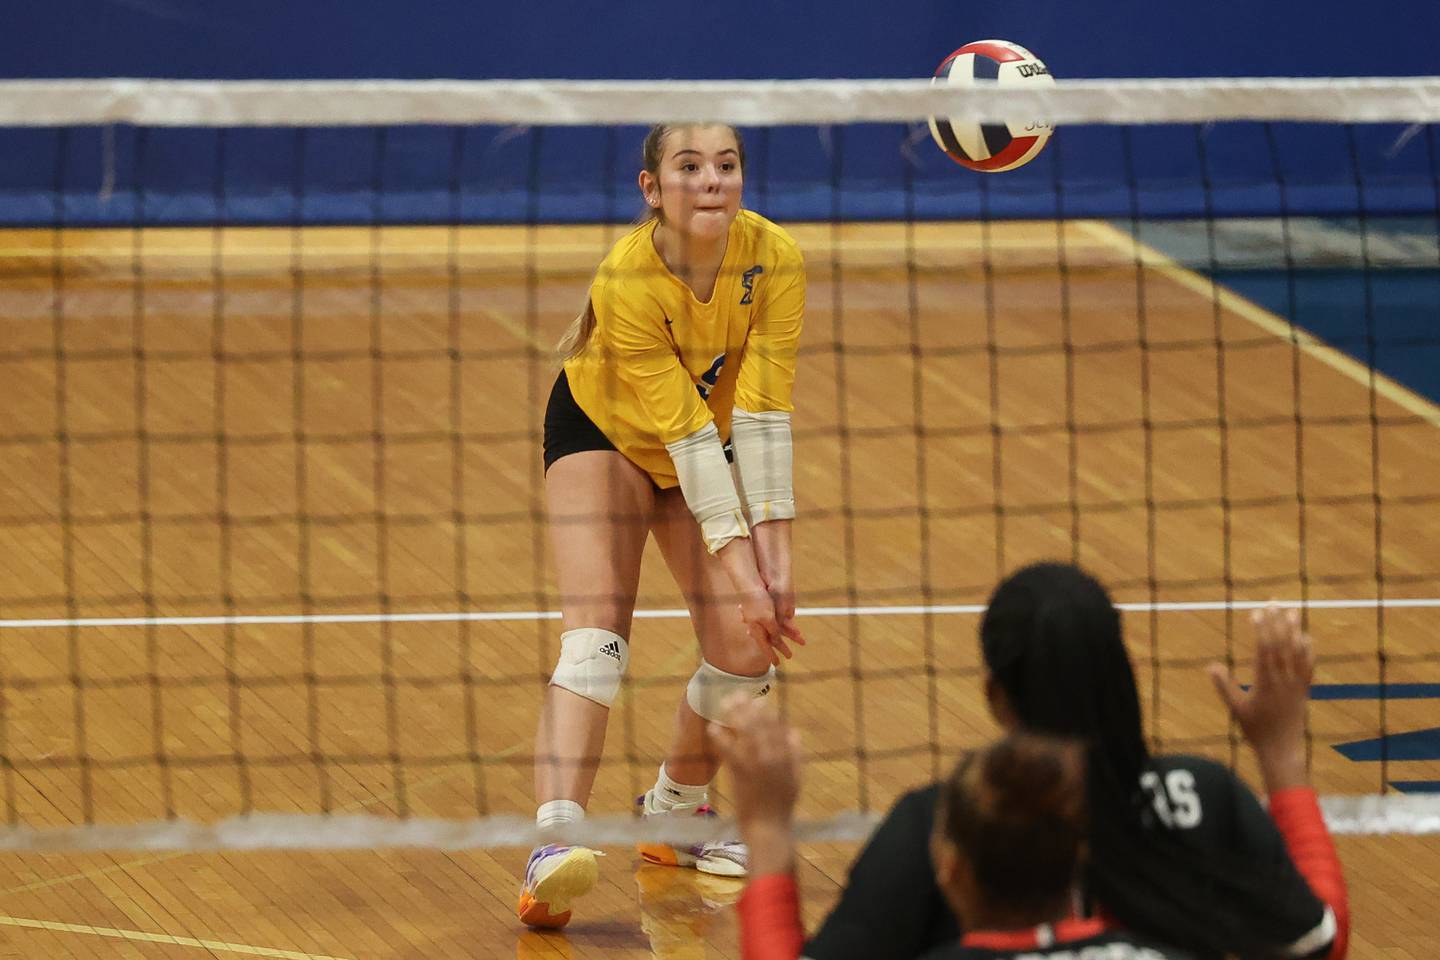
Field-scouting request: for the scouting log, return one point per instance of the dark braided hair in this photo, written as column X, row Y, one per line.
column 1051, row 639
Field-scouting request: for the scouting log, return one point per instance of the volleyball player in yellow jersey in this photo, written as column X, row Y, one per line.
column 689, row 339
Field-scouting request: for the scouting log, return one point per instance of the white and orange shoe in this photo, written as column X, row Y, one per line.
column 555, row 875
column 721, row 858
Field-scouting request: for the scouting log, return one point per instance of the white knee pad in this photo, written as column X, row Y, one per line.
column 592, row 661
column 710, row 687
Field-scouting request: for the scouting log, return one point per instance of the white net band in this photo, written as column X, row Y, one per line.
column 193, row 103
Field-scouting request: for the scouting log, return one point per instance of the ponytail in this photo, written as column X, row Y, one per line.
column 1051, row 638
column 577, row 335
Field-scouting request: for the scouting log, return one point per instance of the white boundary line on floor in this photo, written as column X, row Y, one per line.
column 515, row 616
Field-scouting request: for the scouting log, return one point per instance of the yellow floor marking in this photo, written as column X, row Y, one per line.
column 1342, row 363
column 113, row 933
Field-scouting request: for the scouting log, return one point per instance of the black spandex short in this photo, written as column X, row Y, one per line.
column 569, row 430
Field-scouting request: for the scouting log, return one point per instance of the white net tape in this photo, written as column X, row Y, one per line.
column 193, row 103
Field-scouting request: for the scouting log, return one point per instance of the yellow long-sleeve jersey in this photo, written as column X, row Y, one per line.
column 660, row 364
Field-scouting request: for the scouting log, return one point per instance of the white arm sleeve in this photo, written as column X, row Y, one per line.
column 763, row 464
column 708, row 487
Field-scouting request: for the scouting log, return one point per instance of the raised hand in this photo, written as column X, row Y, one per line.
column 1271, row 714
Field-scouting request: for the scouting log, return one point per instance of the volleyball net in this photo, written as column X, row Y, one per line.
column 275, row 355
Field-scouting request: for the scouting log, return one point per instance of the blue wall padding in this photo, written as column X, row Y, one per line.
column 413, row 175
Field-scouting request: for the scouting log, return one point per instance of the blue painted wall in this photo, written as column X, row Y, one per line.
column 741, row 38
column 485, row 174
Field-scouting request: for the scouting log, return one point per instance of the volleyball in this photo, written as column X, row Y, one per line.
column 991, row 147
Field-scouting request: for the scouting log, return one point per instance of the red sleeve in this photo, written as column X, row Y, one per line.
column 770, row 919
column 1296, row 812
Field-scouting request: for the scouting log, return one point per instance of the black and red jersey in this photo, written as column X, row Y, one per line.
column 891, row 909
column 1066, row 940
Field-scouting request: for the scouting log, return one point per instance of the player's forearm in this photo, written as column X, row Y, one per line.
column 1297, row 815
column 771, row 845
column 1282, row 766
column 709, row 490
column 772, row 550
column 770, row 919
column 770, row 909
column 763, row 463
column 737, row 559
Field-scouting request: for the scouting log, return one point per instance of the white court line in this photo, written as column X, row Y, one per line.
column 513, row 616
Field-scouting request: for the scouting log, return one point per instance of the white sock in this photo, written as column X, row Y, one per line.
column 667, row 794
column 553, row 813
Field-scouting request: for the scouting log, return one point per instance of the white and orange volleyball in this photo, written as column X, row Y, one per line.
column 991, row 147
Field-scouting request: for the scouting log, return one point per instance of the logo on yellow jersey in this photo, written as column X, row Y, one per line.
column 747, row 281
column 710, row 377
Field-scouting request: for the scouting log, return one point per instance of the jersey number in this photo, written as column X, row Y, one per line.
column 1176, row 802
column 710, row 377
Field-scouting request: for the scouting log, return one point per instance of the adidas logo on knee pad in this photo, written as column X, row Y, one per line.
column 592, row 662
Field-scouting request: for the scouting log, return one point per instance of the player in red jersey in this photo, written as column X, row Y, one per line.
column 1184, row 854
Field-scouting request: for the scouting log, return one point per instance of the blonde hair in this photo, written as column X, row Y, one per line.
column 577, row 335
column 573, row 342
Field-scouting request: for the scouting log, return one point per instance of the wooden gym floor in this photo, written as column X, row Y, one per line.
column 922, row 478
